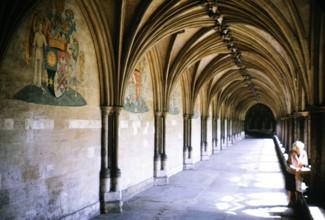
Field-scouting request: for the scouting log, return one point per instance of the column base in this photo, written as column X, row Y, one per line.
column 188, row 166
column 161, row 180
column 161, row 177
column 205, row 156
column 215, row 150
column 112, row 202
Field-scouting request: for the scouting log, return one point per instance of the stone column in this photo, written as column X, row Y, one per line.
column 283, row 126
column 307, row 135
column 104, row 170
column 317, row 131
column 112, row 200
column 187, row 149
column 222, row 134
column 235, row 128
column 281, row 129
column 291, row 130
column 226, row 133
column 232, row 131
column 156, row 155
column 284, row 132
column 286, row 136
column 295, row 128
column 204, row 142
column 278, row 129
column 160, row 156
column 215, row 135
column 302, row 127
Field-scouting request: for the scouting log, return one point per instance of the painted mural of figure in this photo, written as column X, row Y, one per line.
column 134, row 100
column 39, row 45
column 136, row 79
column 173, row 104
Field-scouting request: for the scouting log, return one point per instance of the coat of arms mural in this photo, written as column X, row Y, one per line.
column 52, row 48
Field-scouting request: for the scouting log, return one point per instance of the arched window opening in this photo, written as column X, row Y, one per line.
column 259, row 121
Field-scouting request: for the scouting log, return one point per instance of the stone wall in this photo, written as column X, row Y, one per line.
column 136, row 148
column 49, row 143
column 196, row 139
column 174, row 143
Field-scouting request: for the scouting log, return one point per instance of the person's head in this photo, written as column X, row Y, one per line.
column 298, row 146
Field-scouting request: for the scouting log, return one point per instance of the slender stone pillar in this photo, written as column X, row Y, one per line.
column 302, row 127
column 295, row 128
column 225, row 133
column 228, row 142
column 286, row 132
column 163, row 153
column 232, row 131
column 282, row 130
column 156, row 156
column 235, row 130
column 104, row 170
column 286, row 136
column 160, row 156
column 222, row 133
column 204, row 142
column 215, row 136
column 307, row 135
column 112, row 200
column 290, row 132
column 229, row 131
column 187, row 149
column 317, row 130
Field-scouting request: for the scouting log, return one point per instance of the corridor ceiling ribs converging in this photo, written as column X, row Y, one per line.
column 232, row 53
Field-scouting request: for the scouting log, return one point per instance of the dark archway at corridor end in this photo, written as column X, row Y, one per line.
column 259, row 121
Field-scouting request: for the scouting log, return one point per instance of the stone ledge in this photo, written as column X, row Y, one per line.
column 161, row 180
column 135, row 189
column 85, row 213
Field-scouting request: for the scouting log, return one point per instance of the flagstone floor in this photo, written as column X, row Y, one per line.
column 243, row 181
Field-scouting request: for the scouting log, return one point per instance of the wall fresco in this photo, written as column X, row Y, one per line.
column 197, row 109
column 174, row 102
column 136, row 90
column 52, row 48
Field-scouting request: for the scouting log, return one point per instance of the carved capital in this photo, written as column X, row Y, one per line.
column 111, row 110
column 188, row 116
column 161, row 113
column 114, row 110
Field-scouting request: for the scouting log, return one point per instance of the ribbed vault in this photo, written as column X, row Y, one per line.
column 238, row 53
column 273, row 51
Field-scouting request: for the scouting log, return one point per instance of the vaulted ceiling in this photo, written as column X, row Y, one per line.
column 231, row 53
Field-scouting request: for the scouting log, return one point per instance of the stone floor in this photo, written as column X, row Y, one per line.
column 243, row 182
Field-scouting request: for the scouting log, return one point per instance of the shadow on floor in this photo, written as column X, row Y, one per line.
column 243, row 181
